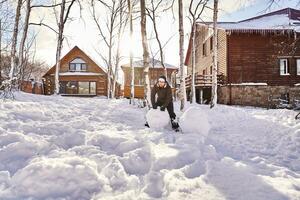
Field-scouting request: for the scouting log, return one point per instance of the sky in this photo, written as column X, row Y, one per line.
column 83, row 32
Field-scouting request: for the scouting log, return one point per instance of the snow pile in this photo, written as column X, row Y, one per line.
column 194, row 120
column 56, row 148
column 74, row 178
column 157, row 119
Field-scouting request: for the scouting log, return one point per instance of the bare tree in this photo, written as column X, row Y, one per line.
column 108, row 34
column 214, row 94
column 14, row 40
column 23, row 40
column 64, row 14
column 0, row 51
column 182, row 90
column 129, row 2
column 123, row 18
column 195, row 9
column 145, row 54
column 153, row 13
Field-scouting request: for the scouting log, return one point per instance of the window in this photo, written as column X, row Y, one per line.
column 284, row 70
column 83, row 88
column 138, row 76
column 211, row 43
column 204, row 72
column 72, row 67
column 298, row 66
column 92, row 87
column 78, row 65
column 204, row 49
column 75, row 87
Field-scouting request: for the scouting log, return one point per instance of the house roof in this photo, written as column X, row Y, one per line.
column 50, row 71
column 284, row 19
column 154, row 63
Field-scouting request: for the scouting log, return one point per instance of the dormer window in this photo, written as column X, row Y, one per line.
column 77, row 65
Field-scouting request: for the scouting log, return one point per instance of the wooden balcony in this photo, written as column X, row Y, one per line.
column 204, row 80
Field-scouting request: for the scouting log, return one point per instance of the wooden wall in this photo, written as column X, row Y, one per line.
column 205, row 60
column 255, row 58
column 101, row 84
column 101, row 80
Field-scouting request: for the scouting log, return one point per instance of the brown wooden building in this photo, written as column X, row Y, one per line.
column 79, row 75
column 155, row 71
column 258, row 57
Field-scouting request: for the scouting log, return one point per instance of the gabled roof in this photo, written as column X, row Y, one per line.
column 284, row 19
column 52, row 69
column 154, row 63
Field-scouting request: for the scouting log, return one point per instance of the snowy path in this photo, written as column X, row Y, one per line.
column 78, row 148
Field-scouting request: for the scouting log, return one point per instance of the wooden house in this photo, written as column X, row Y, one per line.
column 258, row 58
column 79, row 75
column 155, row 70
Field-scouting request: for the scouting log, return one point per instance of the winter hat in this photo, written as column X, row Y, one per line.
column 162, row 77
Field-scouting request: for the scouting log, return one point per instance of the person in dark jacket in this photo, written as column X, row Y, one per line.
column 161, row 95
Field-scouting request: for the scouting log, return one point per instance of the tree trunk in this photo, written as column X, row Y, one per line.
column 131, row 54
column 145, row 54
column 193, row 90
column 182, row 90
column 0, row 52
column 118, row 50
column 23, row 40
column 14, row 40
column 214, row 91
column 59, row 45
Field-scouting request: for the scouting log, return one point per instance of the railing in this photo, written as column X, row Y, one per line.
column 204, row 80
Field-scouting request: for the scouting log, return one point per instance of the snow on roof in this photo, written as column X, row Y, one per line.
column 285, row 19
column 79, row 74
column 154, row 63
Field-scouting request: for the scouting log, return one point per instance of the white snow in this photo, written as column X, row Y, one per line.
column 192, row 115
column 279, row 21
column 157, row 119
column 249, row 83
column 79, row 74
column 56, row 148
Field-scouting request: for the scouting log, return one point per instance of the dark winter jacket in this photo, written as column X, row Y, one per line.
column 164, row 95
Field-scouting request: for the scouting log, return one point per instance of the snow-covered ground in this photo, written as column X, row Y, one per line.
column 91, row 148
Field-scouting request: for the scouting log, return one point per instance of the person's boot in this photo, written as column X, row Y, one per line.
column 147, row 125
column 175, row 124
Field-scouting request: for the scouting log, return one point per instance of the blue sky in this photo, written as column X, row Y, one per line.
column 257, row 8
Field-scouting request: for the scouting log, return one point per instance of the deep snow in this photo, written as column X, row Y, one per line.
column 92, row 148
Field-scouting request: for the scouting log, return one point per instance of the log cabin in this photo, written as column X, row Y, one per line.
column 258, row 59
column 155, row 70
column 79, row 75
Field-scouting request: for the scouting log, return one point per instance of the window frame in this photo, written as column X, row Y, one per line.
column 287, row 73
column 298, row 66
column 204, row 49
column 211, row 42
column 75, row 64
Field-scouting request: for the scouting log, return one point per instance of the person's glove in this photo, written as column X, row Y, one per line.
column 162, row 108
column 154, row 106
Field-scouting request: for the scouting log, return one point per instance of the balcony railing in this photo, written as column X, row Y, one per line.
column 204, row 80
